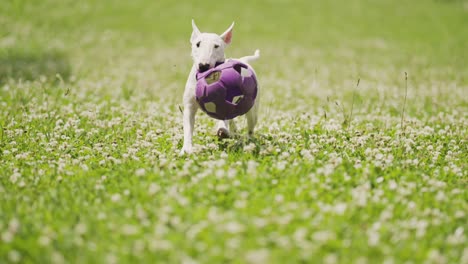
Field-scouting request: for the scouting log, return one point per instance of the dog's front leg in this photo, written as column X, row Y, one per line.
column 190, row 109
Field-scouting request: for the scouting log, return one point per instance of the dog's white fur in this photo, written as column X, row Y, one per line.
column 207, row 50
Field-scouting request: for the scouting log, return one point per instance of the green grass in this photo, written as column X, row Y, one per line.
column 90, row 130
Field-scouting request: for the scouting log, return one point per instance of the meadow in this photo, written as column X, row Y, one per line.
column 360, row 155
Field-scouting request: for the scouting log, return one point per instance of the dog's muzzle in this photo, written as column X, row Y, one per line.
column 203, row 67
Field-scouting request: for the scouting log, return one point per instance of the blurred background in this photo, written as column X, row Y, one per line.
column 313, row 52
column 315, row 49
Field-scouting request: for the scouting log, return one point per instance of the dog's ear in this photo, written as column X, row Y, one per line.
column 195, row 32
column 227, row 35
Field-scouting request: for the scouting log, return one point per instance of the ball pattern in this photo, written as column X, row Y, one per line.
column 227, row 90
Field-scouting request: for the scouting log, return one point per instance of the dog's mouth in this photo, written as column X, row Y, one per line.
column 203, row 67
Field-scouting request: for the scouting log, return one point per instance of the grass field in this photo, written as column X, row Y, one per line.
column 90, row 130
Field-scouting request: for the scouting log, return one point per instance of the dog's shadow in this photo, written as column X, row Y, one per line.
column 21, row 65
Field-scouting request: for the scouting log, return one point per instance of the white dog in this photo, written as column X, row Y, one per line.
column 207, row 51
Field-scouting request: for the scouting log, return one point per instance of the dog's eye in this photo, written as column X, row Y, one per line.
column 216, row 46
column 198, row 44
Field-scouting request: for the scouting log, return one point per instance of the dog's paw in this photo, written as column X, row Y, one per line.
column 185, row 151
column 223, row 133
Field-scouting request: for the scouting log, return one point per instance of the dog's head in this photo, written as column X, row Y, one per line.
column 208, row 48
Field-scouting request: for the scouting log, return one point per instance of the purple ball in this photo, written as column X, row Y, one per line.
column 227, row 90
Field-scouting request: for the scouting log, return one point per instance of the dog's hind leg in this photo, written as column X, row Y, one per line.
column 232, row 127
column 226, row 129
column 252, row 119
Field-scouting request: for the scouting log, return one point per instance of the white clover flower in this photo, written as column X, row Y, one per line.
column 160, row 245
column 14, row 177
column 379, row 156
column 233, row 227
column 279, row 198
column 434, row 256
column 13, row 225
column 233, row 243
column 14, row 256
column 116, row 197
column 464, row 257
column 249, row 148
column 44, row 240
column 7, row 236
column 101, row 216
column 252, row 167
column 458, row 237
column 373, row 238
column 22, row 184
column 188, row 260
column 441, row 196
column 81, row 228
column 57, row 258
column 257, row 256
column 300, row 234
column 388, row 260
column 260, row 222
column 360, row 194
column 460, row 214
column 129, row 230
column 340, row 208
column 153, row 188
column 281, row 165
column 222, row 188
column 323, row 236
column 330, row 259
column 111, row 259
